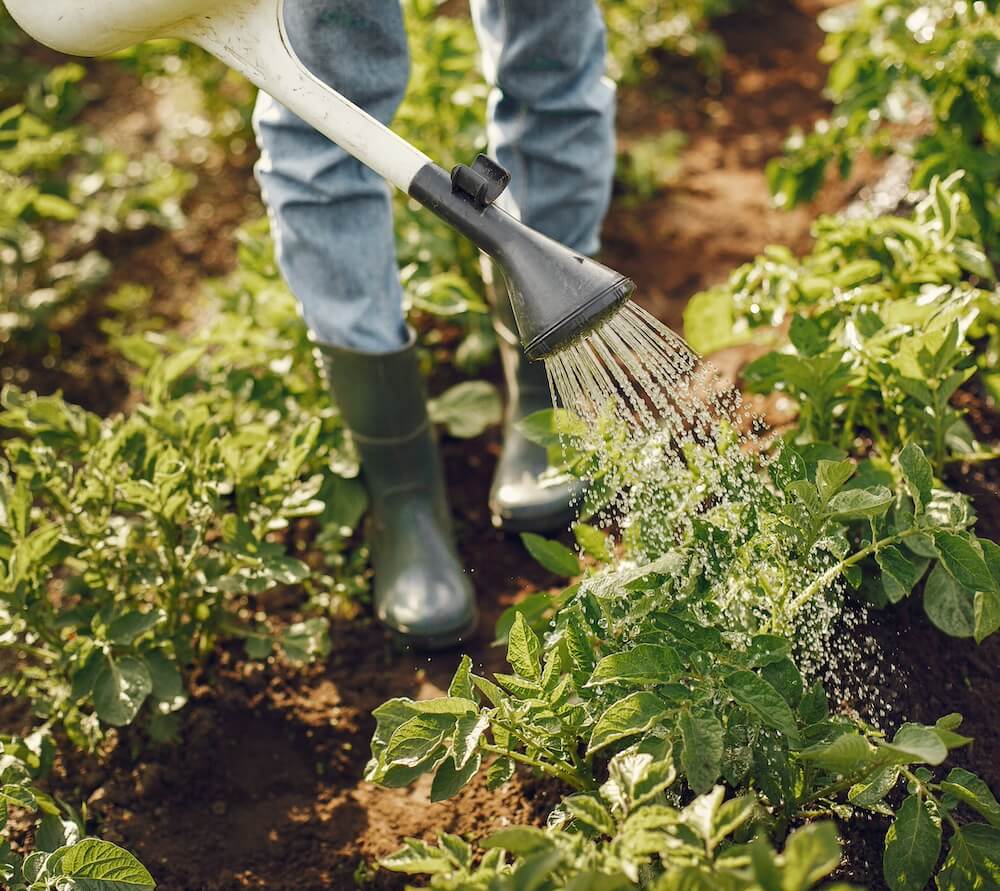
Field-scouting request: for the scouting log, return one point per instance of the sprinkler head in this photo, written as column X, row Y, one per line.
column 557, row 294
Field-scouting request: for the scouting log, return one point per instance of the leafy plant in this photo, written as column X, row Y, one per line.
column 61, row 188
column 63, row 857
column 648, row 165
column 640, row 32
column 691, row 659
column 625, row 835
column 884, row 318
column 918, row 76
column 127, row 544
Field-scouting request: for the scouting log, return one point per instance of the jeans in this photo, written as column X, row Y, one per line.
column 551, row 123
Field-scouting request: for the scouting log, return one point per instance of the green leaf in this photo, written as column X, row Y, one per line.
column 811, row 853
column 523, row 649
column 592, row 542
column 417, row 857
column 814, row 707
column 533, row 872
column 873, row 790
column 417, row 739
column 964, row 560
column 258, row 647
column 973, row 860
column 899, row 573
column 589, row 810
column 552, row 555
column 916, row 743
column 125, row 629
column 467, row 409
column 986, row 609
column 168, row 685
column 991, row 554
column 644, row 664
column 449, row 779
column 121, row 688
column 831, row 476
column 971, row 790
column 636, row 777
column 785, row 677
column 499, row 773
column 767, row 648
column 949, row 605
column 758, row 696
column 551, row 426
column 519, row 840
column 101, row 866
column 307, row 641
column 627, row 717
column 857, row 504
column 701, row 758
column 55, row 208
column 912, row 847
column 917, row 472
column 461, row 684
column 469, row 729
column 847, row 753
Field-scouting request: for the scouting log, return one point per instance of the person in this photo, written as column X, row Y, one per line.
column 551, row 124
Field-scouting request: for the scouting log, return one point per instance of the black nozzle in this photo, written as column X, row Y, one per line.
column 557, row 294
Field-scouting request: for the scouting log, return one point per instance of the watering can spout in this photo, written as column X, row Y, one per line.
column 557, row 293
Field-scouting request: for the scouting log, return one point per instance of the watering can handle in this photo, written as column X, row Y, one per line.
column 248, row 35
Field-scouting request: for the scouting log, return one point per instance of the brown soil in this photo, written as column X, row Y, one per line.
column 718, row 214
column 266, row 789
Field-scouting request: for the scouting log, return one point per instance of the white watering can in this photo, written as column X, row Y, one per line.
column 556, row 293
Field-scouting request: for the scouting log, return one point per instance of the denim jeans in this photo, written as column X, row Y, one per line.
column 551, row 123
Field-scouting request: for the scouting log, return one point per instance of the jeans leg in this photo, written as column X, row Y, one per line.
column 552, row 112
column 331, row 215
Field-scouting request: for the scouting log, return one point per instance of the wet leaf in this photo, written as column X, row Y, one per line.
column 628, row 717
column 701, row 758
column 644, row 664
column 912, row 847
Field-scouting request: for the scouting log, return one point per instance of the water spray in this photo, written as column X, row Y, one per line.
column 557, row 294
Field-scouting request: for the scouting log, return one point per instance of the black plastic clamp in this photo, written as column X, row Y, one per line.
column 483, row 182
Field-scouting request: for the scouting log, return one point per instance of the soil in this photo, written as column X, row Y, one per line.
column 266, row 789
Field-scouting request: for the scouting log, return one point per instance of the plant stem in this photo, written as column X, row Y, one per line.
column 826, row 578
column 549, row 769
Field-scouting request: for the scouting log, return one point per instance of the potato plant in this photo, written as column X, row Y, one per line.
column 611, row 837
column 61, row 187
column 690, row 661
column 886, row 318
column 917, row 76
column 132, row 545
column 128, row 545
column 63, row 856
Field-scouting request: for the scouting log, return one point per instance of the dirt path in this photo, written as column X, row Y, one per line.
column 266, row 789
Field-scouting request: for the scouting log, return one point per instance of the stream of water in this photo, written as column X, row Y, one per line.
column 671, row 441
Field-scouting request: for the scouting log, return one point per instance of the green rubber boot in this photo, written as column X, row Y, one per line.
column 421, row 590
column 523, row 497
